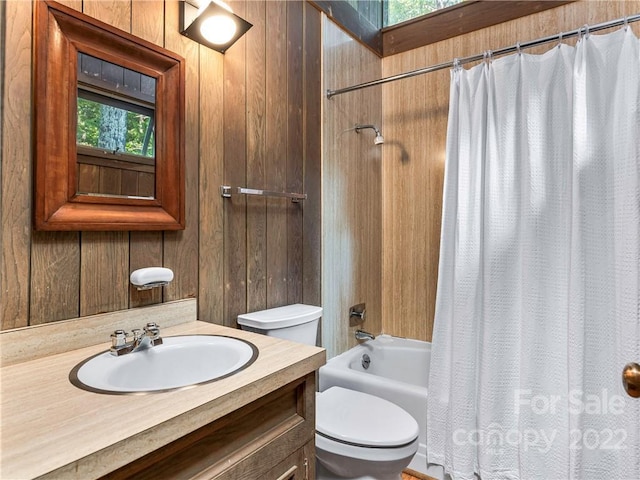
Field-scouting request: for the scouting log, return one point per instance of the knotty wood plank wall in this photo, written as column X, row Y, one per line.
column 415, row 122
column 352, row 191
column 247, row 124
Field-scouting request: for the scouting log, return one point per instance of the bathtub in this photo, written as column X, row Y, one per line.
column 398, row 371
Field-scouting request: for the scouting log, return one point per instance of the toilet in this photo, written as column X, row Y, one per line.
column 358, row 436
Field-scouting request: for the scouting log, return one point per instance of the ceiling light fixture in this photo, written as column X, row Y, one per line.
column 214, row 25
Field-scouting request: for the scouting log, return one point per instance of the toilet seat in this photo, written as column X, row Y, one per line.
column 327, row 445
column 360, row 420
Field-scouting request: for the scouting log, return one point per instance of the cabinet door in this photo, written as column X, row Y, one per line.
column 300, row 465
column 271, row 438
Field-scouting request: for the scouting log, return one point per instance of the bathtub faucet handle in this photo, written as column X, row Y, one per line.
column 357, row 314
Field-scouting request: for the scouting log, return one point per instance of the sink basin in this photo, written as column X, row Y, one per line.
column 180, row 362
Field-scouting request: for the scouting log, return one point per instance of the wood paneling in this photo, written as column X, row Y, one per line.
column 104, row 279
column 16, row 165
column 256, row 139
column 276, row 153
column 181, row 247
column 238, row 111
column 295, row 150
column 235, row 174
column 116, row 13
column 264, row 131
column 55, row 276
column 145, row 20
column 312, row 282
column 351, row 191
column 415, row 123
column 114, row 177
column 211, row 254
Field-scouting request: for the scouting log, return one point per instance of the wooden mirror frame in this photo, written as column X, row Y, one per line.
column 60, row 33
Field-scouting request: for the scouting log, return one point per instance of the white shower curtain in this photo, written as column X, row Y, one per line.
column 538, row 303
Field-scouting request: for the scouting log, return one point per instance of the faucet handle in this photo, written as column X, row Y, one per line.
column 357, row 314
column 118, row 338
column 152, row 331
column 152, row 328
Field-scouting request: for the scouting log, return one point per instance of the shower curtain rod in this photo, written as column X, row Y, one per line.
column 503, row 51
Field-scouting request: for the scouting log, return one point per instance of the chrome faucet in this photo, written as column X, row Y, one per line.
column 148, row 337
column 362, row 335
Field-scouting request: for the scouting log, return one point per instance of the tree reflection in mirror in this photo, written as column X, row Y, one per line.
column 115, row 130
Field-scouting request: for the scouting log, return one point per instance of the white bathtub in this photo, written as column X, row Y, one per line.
column 398, row 372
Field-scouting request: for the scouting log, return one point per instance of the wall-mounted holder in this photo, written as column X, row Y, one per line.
column 151, row 277
column 226, row 191
column 357, row 314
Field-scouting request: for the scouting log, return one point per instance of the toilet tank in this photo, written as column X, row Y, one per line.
column 298, row 322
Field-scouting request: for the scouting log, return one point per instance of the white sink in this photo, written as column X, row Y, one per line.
column 181, row 361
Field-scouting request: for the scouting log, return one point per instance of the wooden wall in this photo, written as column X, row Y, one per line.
column 271, row 140
column 415, row 123
column 352, row 191
column 253, row 118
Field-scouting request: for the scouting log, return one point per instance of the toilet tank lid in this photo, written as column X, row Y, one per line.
column 281, row 317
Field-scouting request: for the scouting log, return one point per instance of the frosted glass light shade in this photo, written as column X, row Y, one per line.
column 218, row 29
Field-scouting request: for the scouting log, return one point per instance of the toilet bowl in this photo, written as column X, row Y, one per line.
column 358, row 436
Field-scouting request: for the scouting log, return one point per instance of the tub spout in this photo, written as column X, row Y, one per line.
column 362, row 335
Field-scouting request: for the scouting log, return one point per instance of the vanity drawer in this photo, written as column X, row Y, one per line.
column 298, row 466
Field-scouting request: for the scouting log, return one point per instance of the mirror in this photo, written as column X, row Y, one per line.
column 114, row 130
column 109, row 127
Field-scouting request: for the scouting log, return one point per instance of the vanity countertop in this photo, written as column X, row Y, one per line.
column 53, row 429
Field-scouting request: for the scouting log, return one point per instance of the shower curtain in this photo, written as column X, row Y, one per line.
column 538, row 303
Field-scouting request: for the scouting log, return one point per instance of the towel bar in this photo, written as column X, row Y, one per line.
column 226, row 191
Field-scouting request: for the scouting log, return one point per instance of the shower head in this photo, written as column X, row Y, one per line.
column 379, row 140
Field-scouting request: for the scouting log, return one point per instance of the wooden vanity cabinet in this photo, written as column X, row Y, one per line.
column 271, row 438
column 298, row 466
